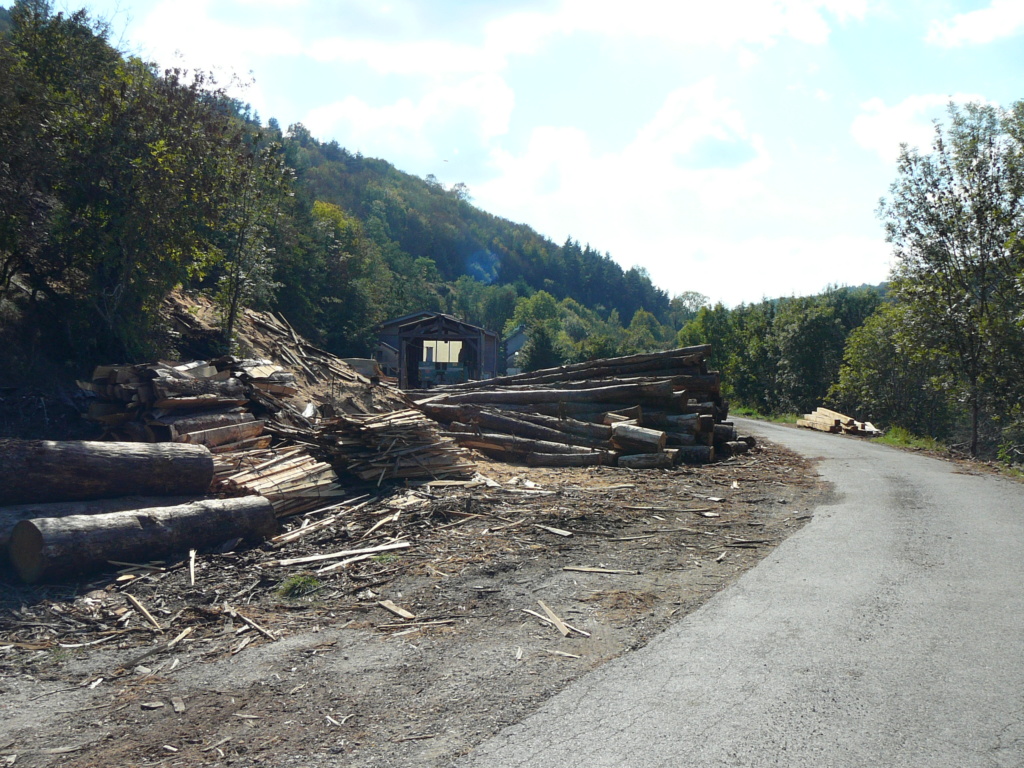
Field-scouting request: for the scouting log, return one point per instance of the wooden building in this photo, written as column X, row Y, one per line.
column 427, row 348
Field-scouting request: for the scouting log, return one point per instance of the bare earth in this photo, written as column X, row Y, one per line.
column 346, row 681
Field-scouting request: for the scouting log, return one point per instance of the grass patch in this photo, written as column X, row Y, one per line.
column 299, row 585
column 385, row 557
column 753, row 413
column 902, row 438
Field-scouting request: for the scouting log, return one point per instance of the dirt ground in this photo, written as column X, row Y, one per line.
column 257, row 663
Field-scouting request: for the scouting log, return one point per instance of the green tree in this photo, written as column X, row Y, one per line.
column 952, row 217
column 891, row 379
column 260, row 181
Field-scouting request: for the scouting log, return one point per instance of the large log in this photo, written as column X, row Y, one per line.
column 630, row 437
column 570, row 459
column 11, row 516
column 628, row 392
column 661, row 460
column 696, row 454
column 38, row 471
column 599, row 432
column 516, row 445
column 47, row 549
column 509, row 424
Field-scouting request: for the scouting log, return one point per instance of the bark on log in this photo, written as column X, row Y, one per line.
column 165, row 388
column 598, row 432
column 11, row 516
column 680, row 438
column 46, row 549
column 39, row 471
column 735, row 448
column 230, row 433
column 510, row 424
column 506, row 443
column 570, row 459
column 172, row 426
column 628, row 392
column 597, row 368
column 697, row 454
column 629, row 437
column 724, row 433
column 660, row 460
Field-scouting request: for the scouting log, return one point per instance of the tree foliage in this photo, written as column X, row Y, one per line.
column 953, row 217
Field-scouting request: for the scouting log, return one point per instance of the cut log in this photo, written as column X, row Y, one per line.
column 735, row 447
column 570, row 459
column 724, row 433
column 11, row 516
column 629, row 437
column 697, row 454
column 680, row 438
column 46, row 549
column 39, row 471
column 490, row 441
column 230, row 433
column 614, row 393
column 177, row 425
column 660, row 460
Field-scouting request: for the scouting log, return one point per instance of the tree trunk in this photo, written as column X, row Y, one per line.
column 11, row 516
column 630, row 437
column 697, row 454
column 613, row 393
column 660, row 460
column 45, row 549
column 570, row 459
column 39, row 471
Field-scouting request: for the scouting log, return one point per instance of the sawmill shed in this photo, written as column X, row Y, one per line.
column 424, row 349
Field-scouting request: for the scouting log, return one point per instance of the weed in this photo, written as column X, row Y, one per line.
column 903, row 438
column 299, row 585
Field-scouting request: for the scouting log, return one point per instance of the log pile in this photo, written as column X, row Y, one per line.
column 638, row 411
column 824, row 420
column 73, row 510
column 400, row 445
column 212, row 403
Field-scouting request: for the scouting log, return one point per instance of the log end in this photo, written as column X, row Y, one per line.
column 26, row 551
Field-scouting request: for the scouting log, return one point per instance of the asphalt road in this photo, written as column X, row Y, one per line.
column 889, row 631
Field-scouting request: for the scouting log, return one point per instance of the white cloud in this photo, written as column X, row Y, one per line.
column 475, row 110
column 725, row 24
column 182, row 32
column 1003, row 18
column 882, row 129
column 671, row 178
column 735, row 270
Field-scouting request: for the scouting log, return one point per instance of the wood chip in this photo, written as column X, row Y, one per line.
column 142, row 609
column 387, row 605
column 559, row 624
column 178, row 704
column 556, row 531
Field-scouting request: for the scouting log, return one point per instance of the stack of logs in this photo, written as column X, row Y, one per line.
column 824, row 420
column 638, row 411
column 400, row 445
column 211, row 404
column 77, row 507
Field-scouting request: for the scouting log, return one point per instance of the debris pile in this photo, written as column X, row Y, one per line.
column 825, row 420
column 638, row 411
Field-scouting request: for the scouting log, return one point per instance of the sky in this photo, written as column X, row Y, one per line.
column 737, row 148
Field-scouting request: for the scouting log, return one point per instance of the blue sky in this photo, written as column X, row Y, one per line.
column 737, row 147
